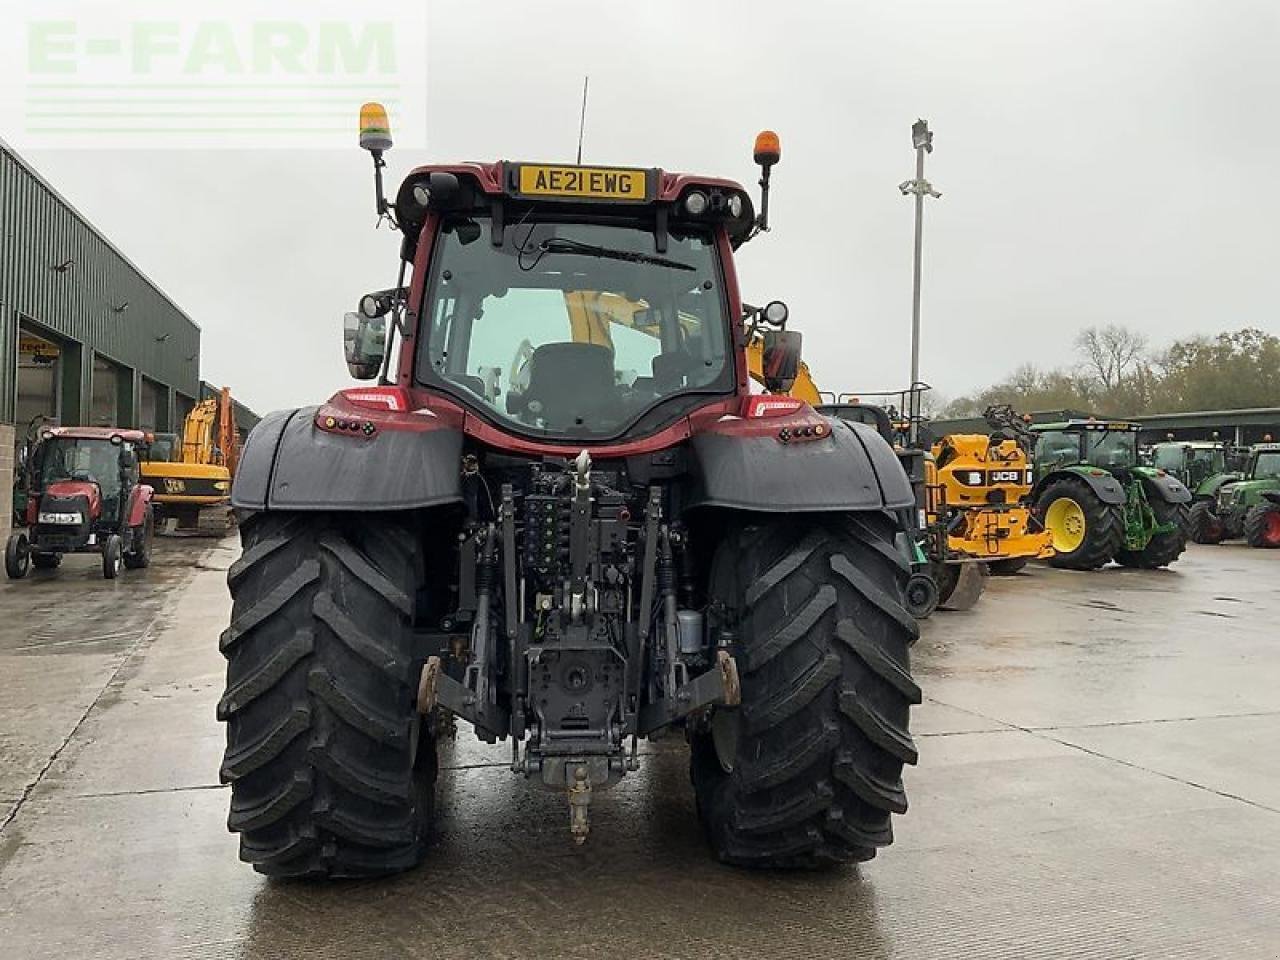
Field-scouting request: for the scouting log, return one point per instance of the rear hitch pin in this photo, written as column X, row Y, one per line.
column 579, row 801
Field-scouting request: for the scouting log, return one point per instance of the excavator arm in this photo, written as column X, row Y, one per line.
column 195, row 491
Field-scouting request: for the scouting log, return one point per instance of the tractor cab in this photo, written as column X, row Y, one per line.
column 1264, row 462
column 1108, row 445
column 571, row 304
column 84, row 495
column 1191, row 462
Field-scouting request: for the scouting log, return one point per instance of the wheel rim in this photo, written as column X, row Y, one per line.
column 1271, row 530
column 918, row 591
column 1066, row 523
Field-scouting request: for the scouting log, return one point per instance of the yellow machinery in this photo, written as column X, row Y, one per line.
column 803, row 389
column 191, row 474
column 984, row 481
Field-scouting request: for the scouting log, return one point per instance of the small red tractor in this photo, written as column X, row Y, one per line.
column 563, row 515
column 84, row 496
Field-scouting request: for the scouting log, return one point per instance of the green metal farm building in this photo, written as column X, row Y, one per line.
column 85, row 337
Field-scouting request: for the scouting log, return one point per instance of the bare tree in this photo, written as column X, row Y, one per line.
column 1112, row 353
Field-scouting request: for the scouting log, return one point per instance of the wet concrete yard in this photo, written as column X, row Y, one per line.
column 1099, row 777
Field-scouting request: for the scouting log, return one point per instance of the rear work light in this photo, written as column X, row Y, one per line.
column 392, row 399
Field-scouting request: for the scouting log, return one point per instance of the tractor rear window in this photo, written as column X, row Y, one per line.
column 1058, row 447
column 1112, row 449
column 574, row 329
column 1267, row 466
column 1169, row 456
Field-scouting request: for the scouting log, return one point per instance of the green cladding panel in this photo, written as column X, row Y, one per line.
column 63, row 280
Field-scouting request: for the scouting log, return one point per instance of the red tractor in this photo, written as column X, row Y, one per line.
column 84, row 496
column 561, row 515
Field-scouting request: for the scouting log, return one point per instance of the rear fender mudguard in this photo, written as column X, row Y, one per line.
column 1208, row 489
column 290, row 463
column 746, row 465
column 1165, row 486
column 1104, row 486
column 139, row 500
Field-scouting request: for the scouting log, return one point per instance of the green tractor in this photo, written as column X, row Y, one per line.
column 1099, row 504
column 1204, row 466
column 1247, row 507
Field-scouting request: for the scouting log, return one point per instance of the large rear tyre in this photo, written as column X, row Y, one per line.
column 1164, row 548
column 1203, row 525
column 331, row 768
column 1086, row 532
column 808, row 771
column 1262, row 526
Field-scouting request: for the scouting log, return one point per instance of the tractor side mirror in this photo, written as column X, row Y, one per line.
column 365, row 343
column 781, row 359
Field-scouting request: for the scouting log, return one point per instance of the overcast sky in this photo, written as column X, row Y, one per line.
column 1100, row 162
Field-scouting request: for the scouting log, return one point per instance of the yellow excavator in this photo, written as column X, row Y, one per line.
column 191, row 473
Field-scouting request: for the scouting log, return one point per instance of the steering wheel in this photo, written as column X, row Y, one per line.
column 518, row 376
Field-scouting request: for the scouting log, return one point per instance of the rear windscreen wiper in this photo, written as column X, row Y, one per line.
column 565, row 245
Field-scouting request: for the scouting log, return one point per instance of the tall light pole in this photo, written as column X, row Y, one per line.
column 922, row 141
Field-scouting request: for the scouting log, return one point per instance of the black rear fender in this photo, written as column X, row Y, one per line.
column 1104, row 486
column 850, row 468
column 289, row 463
column 1166, row 487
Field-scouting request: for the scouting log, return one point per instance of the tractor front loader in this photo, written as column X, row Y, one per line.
column 561, row 515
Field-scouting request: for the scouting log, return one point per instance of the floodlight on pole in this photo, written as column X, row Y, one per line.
column 922, row 143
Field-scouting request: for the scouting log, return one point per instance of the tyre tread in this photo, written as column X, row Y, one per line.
column 319, row 698
column 824, row 640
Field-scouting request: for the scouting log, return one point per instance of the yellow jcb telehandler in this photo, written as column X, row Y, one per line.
column 986, row 479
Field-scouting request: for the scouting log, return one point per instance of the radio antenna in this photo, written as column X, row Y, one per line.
column 582, row 120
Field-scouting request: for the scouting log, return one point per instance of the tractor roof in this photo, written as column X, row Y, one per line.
column 1110, row 426
column 1192, row 444
column 95, row 433
column 575, row 189
column 1265, row 447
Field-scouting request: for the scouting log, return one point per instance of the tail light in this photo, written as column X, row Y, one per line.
column 391, row 399
column 767, row 405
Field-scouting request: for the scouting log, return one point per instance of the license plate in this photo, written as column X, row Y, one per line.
column 590, row 183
